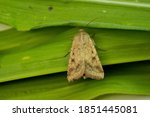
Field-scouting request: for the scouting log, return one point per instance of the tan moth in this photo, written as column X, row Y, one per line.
column 84, row 61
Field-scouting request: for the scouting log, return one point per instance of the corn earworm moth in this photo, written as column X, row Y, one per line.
column 84, row 61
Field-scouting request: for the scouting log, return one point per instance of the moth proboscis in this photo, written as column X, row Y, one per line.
column 84, row 61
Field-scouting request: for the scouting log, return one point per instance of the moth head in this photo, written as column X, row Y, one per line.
column 81, row 30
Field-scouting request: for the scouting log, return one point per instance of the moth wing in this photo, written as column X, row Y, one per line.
column 76, row 66
column 93, row 67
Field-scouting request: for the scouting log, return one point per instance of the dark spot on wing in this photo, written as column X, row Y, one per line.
column 72, row 60
column 98, row 67
column 93, row 58
column 78, row 65
column 71, row 69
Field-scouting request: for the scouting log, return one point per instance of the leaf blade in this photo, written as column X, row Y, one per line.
column 107, row 14
column 43, row 51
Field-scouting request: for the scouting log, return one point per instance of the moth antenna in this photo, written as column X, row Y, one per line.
column 90, row 22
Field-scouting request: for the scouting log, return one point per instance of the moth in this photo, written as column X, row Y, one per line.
column 84, row 61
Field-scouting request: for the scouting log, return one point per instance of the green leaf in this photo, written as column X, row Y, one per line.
column 45, row 51
column 29, row 14
column 129, row 78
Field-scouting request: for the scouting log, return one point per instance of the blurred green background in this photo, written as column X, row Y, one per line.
column 34, row 48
